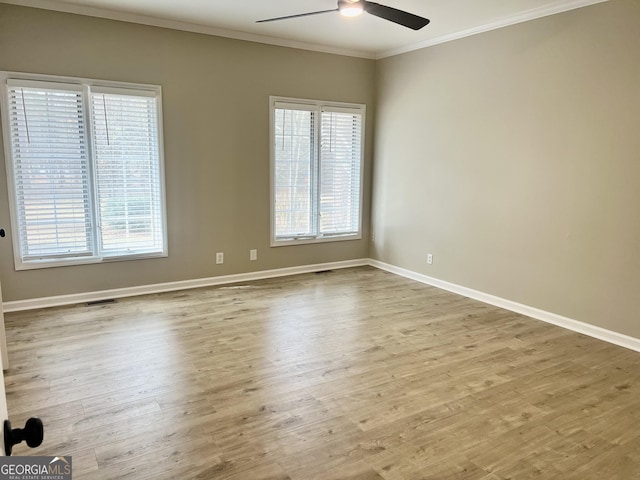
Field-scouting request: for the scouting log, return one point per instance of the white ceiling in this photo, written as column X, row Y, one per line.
column 365, row 36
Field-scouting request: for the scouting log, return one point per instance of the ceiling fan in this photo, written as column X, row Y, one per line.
column 355, row 8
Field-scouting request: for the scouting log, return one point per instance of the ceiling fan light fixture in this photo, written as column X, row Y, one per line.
column 351, row 9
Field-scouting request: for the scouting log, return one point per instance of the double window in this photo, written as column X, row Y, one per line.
column 84, row 170
column 316, row 170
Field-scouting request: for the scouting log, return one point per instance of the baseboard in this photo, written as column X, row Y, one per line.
column 56, row 301
column 564, row 322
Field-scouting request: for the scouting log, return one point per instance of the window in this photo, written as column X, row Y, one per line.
column 84, row 170
column 316, row 169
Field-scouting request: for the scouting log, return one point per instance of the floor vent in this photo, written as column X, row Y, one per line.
column 106, row 301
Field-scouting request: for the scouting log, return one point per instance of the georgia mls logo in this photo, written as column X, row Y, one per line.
column 60, row 465
column 35, row 468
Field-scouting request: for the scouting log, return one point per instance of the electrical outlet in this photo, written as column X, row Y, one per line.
column 373, row 237
column 219, row 258
column 430, row 259
column 253, row 255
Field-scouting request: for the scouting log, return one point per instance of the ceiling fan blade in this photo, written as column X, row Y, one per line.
column 394, row 15
column 297, row 16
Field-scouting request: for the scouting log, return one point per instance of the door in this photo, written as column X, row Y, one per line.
column 33, row 431
column 3, row 403
column 3, row 337
column 5, row 364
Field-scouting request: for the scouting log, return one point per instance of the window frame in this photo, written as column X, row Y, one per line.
column 85, row 84
column 317, row 105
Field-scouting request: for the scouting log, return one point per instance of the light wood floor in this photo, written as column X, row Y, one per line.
column 352, row 374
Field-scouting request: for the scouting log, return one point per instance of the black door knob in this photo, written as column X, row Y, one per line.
column 33, row 433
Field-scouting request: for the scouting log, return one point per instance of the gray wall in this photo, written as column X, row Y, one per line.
column 216, row 123
column 514, row 157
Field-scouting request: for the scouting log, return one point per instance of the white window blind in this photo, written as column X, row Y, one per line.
column 85, row 170
column 294, row 152
column 51, row 179
column 317, row 170
column 340, row 165
column 127, row 169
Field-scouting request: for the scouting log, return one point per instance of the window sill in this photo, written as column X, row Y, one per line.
column 307, row 240
column 67, row 262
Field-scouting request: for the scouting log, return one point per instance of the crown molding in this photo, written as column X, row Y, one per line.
column 544, row 11
column 184, row 26
column 534, row 13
